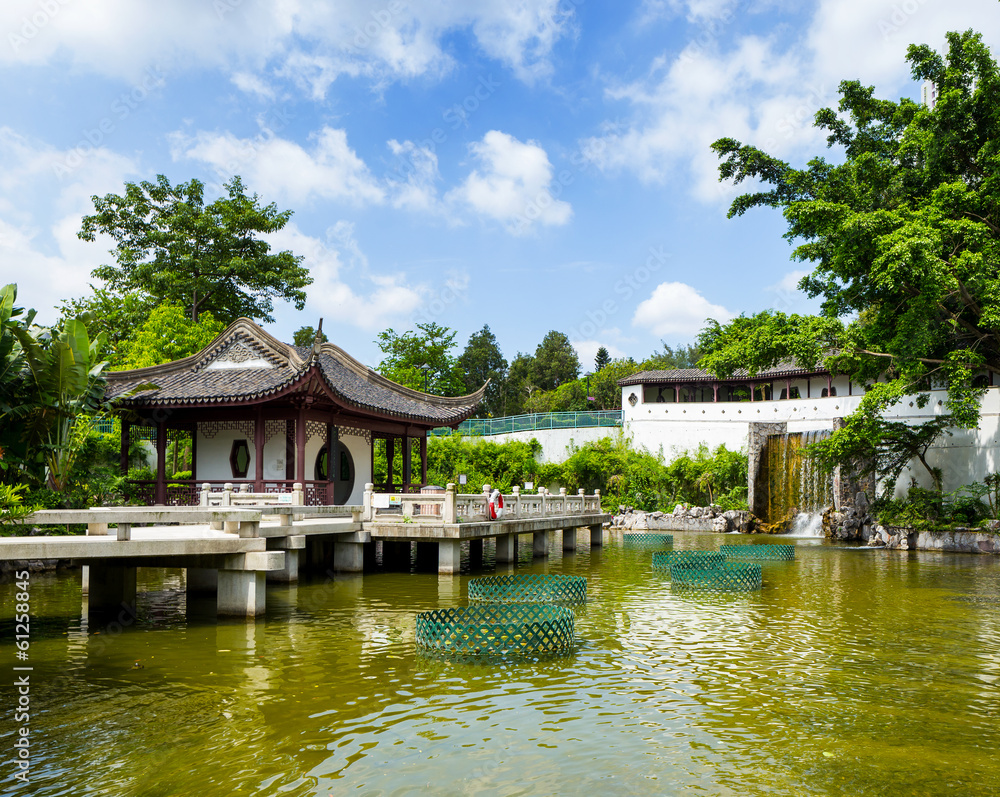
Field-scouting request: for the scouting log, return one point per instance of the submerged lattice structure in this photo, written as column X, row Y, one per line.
column 517, row 629
column 662, row 560
column 529, row 588
column 647, row 540
column 758, row 553
column 727, row 576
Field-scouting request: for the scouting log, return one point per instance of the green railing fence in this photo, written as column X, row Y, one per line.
column 475, row 426
column 536, row 421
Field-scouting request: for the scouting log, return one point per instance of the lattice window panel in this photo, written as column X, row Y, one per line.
column 210, row 429
column 273, row 429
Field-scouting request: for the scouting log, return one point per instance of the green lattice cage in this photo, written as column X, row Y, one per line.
column 647, row 540
column 663, row 560
column 756, row 553
column 497, row 629
column 529, row 588
column 728, row 576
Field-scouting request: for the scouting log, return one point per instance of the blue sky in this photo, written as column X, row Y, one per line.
column 531, row 165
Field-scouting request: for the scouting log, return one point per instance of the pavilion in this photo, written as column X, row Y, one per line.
column 266, row 414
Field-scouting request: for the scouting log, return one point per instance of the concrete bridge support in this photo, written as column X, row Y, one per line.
column 507, row 548
column 596, row 535
column 241, row 593
column 569, row 539
column 540, row 544
column 349, row 557
column 449, row 557
column 111, row 588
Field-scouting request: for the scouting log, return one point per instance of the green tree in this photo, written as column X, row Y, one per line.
column 519, row 385
column 601, row 359
column 604, row 384
column 482, row 360
column 669, row 359
column 903, row 235
column 117, row 316
column 169, row 244
column 306, row 336
column 167, row 335
column 555, row 361
column 430, row 345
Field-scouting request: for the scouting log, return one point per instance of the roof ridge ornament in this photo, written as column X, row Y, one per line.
column 318, row 340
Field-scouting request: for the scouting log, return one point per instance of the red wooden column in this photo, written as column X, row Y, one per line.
column 332, row 462
column 715, row 391
column 753, row 387
column 126, row 440
column 258, row 452
column 300, row 448
column 161, row 464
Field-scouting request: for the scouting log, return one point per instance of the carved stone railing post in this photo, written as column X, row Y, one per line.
column 449, row 512
column 368, row 513
column 205, row 488
column 227, row 494
column 515, row 501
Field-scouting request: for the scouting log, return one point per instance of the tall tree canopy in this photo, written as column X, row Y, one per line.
column 482, row 360
column 167, row 335
column 170, row 245
column 555, row 361
column 430, row 345
column 903, row 235
column 601, row 359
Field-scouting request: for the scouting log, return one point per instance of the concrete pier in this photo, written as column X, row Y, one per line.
column 507, row 548
column 569, row 539
column 540, row 544
column 596, row 535
column 241, row 593
column 349, row 557
column 449, row 556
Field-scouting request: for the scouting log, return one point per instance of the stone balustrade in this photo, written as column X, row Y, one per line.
column 455, row 507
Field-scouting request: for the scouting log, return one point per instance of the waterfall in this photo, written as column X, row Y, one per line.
column 796, row 487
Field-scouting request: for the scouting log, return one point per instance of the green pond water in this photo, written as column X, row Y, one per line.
column 851, row 672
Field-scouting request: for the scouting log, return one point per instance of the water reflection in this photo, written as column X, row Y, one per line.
column 852, row 671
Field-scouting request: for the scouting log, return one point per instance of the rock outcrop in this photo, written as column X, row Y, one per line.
column 685, row 518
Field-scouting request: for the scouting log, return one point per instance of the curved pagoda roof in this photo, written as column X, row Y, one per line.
column 686, row 376
column 246, row 366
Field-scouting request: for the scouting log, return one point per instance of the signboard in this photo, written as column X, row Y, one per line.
column 462, row 478
column 529, row 485
column 284, row 498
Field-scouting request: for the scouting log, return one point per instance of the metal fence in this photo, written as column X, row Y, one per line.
column 536, row 421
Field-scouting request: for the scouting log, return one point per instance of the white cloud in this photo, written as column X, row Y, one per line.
column 344, row 289
column 312, row 44
column 44, row 193
column 586, row 350
column 274, row 166
column 252, row 84
column 677, row 310
column 419, row 166
column 513, row 185
column 764, row 91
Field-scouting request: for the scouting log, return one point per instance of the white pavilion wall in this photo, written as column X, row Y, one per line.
column 964, row 456
column 215, row 443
